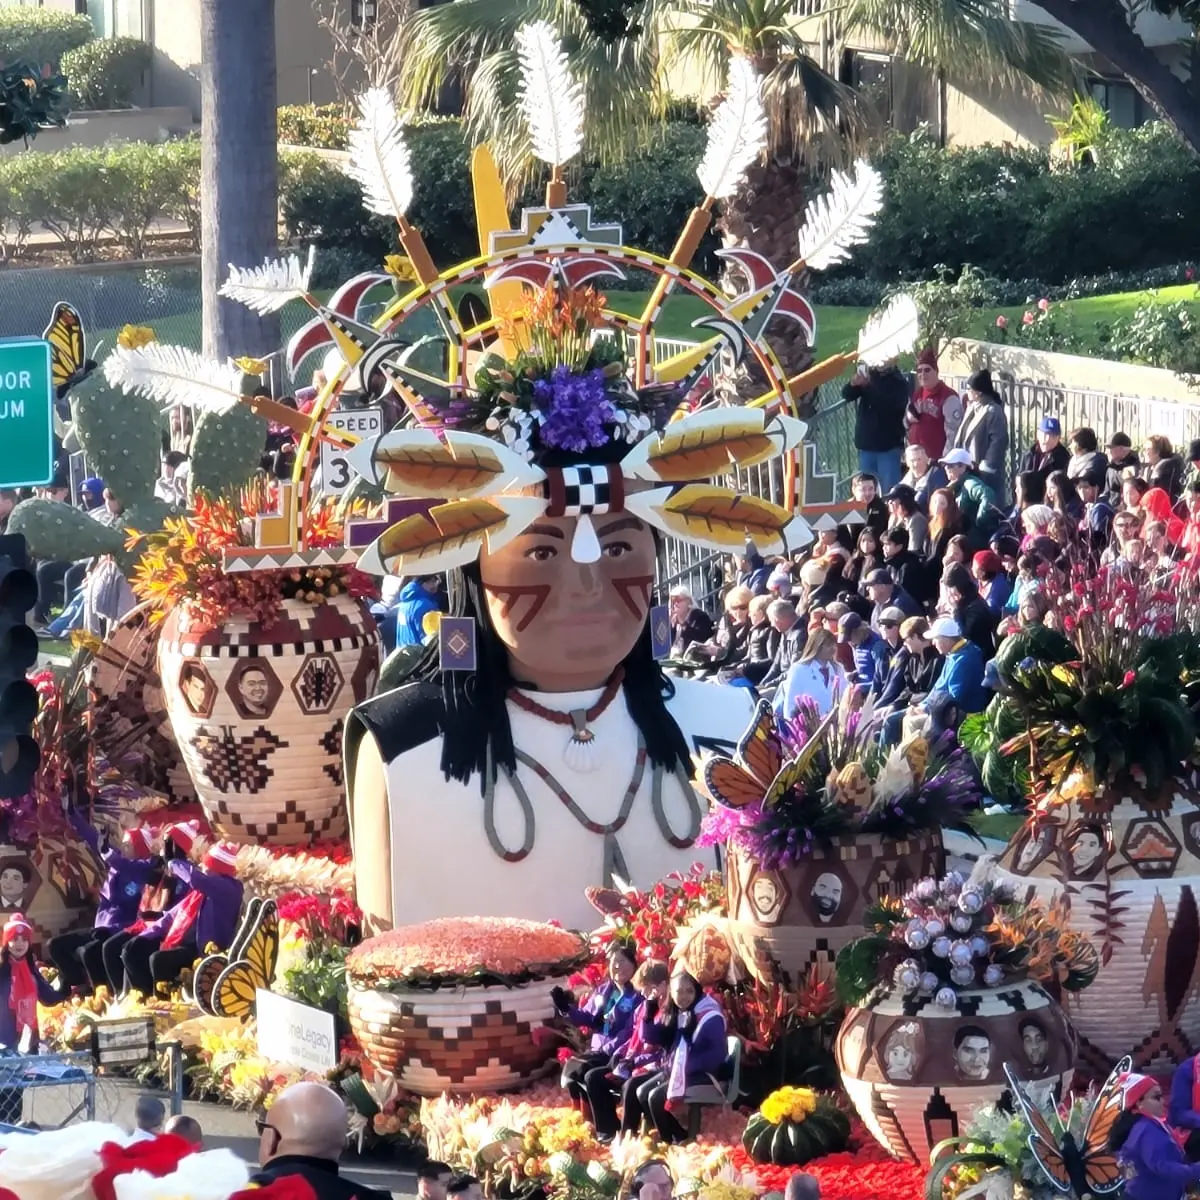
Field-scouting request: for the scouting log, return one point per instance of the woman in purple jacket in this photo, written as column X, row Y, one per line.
column 608, row 1013
column 696, row 1049
column 1154, row 1162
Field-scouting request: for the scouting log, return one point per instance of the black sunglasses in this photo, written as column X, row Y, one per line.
column 261, row 1124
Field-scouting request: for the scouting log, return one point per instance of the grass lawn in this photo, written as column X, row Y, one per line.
column 1001, row 825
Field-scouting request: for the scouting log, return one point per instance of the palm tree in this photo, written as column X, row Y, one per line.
column 813, row 119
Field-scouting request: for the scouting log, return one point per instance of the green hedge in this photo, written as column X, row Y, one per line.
column 107, row 73
column 40, row 35
column 321, row 126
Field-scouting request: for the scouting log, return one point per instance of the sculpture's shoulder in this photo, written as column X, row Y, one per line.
column 712, row 716
column 400, row 720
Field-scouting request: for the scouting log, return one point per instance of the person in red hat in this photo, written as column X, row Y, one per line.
column 162, row 892
column 1155, row 1164
column 935, row 411
column 78, row 954
column 207, row 914
column 22, row 988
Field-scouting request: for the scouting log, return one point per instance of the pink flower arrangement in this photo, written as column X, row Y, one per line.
column 1001, row 322
column 467, row 949
column 1043, row 305
column 1028, row 318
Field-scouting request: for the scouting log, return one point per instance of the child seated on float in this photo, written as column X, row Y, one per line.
column 638, row 1060
column 1154, row 1162
column 608, row 1013
column 694, row 1041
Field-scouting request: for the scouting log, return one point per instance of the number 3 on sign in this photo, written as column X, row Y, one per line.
column 336, row 475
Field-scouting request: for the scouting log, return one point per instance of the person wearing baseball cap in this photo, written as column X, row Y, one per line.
column 935, row 411
column 207, row 915
column 977, row 502
column 883, row 592
column 78, row 955
column 1155, row 1164
column 915, row 666
column 868, row 648
column 1047, row 452
column 1121, row 455
column 961, row 676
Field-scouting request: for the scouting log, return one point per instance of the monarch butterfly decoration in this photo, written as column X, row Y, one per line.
column 69, row 363
column 1087, row 1166
column 226, row 985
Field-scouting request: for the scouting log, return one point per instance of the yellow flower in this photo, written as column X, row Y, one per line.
column 251, row 366
column 789, row 1104
column 82, row 640
column 399, row 266
column 132, row 337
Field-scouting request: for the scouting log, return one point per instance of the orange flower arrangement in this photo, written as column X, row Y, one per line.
column 481, row 950
column 555, row 328
column 182, row 563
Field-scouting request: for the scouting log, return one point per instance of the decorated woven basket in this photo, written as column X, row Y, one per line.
column 1131, row 880
column 916, row 1072
column 258, row 713
column 462, row 1004
column 785, row 921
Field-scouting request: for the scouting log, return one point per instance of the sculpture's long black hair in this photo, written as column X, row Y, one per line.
column 475, row 714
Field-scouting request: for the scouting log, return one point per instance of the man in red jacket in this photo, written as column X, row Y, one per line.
column 935, row 410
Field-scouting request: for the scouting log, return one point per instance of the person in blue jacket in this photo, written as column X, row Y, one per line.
column 608, row 1013
column 694, row 1037
column 1185, row 1105
column 404, row 623
column 1154, row 1162
column 961, row 676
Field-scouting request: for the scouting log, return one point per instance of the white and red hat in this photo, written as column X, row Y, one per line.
column 184, row 834
column 16, row 926
column 221, row 859
column 137, row 841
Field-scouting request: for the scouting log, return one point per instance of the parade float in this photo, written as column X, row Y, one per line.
column 1095, row 725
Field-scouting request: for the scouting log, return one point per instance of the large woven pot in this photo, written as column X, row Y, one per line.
column 1131, row 880
column 465, row 1039
column 916, row 1072
column 785, row 921
column 258, row 711
column 128, row 713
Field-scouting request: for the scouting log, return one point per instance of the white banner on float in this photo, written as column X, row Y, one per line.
column 295, row 1034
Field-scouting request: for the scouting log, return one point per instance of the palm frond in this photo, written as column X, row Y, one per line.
column 968, row 39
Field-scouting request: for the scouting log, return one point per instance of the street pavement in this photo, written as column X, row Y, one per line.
column 223, row 1127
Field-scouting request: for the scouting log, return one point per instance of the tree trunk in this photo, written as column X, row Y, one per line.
column 239, row 189
column 1104, row 25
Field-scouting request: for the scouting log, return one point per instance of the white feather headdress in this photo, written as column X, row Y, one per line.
column 175, row 375
column 890, row 332
column 736, row 134
column 267, row 288
column 551, row 98
column 379, row 159
column 842, row 217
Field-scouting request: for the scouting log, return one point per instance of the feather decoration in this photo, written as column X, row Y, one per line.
column 737, row 133
column 174, row 375
column 379, row 159
column 890, row 332
column 268, row 288
column 841, row 217
column 551, row 98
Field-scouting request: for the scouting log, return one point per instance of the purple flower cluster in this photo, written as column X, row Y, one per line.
column 572, row 410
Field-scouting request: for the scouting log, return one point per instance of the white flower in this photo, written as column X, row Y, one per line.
column 492, row 423
column 993, row 974
column 963, row 976
column 209, row 1175
column 935, row 926
column 941, row 947
column 946, row 998
column 58, row 1164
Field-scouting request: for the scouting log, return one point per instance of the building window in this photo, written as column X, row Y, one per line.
column 363, row 12
column 871, row 75
column 1125, row 107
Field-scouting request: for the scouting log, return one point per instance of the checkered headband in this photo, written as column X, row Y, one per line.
column 582, row 490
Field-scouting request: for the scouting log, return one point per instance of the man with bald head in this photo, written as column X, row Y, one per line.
column 304, row 1134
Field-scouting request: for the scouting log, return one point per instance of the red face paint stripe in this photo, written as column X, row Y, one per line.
column 634, row 591
column 508, row 597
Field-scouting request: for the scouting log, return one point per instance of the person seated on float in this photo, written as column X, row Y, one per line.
column 608, row 1013
column 694, row 1038
column 639, row 1058
column 77, row 954
column 1185, row 1105
column 22, row 989
column 1155, row 1165
column 207, row 915
column 161, row 893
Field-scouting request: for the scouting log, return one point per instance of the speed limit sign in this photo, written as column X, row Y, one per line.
column 336, row 473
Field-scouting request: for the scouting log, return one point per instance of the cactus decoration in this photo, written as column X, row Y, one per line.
column 120, row 434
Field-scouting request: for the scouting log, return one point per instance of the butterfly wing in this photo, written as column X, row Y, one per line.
column 245, row 929
column 204, row 981
column 262, row 950
column 69, row 363
column 234, row 993
column 1043, row 1144
column 760, row 751
column 1100, row 1165
column 731, row 784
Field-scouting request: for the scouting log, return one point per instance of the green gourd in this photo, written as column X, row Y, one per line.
column 793, row 1143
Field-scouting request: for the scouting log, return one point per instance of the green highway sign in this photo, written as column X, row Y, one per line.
column 26, row 413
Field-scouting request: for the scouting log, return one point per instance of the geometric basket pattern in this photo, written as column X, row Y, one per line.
column 916, row 1072
column 255, row 710
column 456, row 1040
column 1132, row 884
